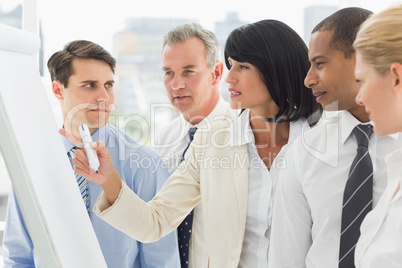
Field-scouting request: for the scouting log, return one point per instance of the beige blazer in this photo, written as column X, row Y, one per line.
column 213, row 172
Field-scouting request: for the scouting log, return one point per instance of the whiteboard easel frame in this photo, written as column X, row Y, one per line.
column 27, row 199
column 19, row 175
column 43, row 181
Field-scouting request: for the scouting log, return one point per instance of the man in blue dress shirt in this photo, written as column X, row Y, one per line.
column 83, row 79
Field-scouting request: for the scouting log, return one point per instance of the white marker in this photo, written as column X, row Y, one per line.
column 91, row 154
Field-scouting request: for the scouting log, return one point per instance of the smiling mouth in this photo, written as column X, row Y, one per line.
column 234, row 93
column 319, row 96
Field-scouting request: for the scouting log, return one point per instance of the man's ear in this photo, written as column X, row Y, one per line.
column 218, row 72
column 396, row 77
column 58, row 90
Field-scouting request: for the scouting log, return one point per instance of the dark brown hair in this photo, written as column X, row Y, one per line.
column 60, row 63
column 281, row 56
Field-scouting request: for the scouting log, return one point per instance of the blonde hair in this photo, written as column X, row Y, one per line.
column 379, row 39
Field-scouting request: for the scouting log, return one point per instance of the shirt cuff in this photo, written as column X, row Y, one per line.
column 102, row 205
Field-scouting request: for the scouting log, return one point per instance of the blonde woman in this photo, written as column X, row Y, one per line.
column 379, row 71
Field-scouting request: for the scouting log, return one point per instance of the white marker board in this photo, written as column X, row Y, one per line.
column 39, row 169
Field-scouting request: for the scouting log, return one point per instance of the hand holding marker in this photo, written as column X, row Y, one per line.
column 91, row 154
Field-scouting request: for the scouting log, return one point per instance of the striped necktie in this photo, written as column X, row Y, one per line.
column 357, row 197
column 81, row 181
column 184, row 229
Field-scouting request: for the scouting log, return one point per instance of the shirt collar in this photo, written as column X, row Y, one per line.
column 242, row 133
column 394, row 158
column 297, row 128
column 348, row 122
column 100, row 134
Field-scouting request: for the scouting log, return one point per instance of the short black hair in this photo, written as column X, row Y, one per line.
column 345, row 23
column 281, row 56
column 60, row 64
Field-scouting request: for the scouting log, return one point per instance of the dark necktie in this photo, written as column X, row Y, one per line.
column 357, row 197
column 184, row 229
column 81, row 181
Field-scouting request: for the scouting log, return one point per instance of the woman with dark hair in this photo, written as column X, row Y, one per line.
column 281, row 57
column 274, row 58
column 231, row 167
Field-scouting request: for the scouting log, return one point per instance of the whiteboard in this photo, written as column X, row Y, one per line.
column 39, row 169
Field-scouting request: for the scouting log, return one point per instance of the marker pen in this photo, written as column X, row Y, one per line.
column 91, row 154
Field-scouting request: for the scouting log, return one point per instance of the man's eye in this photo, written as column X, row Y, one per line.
column 109, row 85
column 89, row 85
column 243, row 67
column 319, row 64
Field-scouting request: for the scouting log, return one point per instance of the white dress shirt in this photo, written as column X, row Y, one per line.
column 261, row 184
column 171, row 141
column 308, row 205
column 380, row 243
